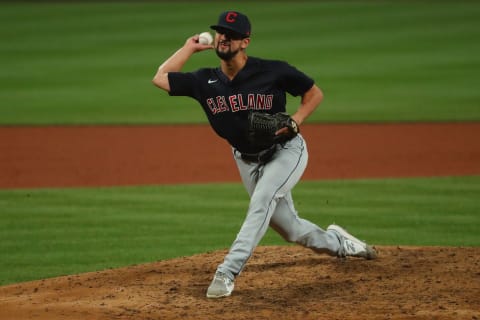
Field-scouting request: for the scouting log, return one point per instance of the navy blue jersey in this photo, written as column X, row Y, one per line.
column 261, row 86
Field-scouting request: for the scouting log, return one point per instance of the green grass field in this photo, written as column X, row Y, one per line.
column 50, row 232
column 92, row 63
column 84, row 63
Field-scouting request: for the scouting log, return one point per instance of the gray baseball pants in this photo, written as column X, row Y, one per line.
column 269, row 186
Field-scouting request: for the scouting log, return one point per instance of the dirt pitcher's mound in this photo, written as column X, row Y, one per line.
column 278, row 283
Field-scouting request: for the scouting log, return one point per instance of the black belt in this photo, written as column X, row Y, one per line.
column 260, row 157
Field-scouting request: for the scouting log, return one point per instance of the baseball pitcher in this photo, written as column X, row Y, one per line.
column 244, row 99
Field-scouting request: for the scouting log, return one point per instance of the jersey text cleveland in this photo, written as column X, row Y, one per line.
column 237, row 102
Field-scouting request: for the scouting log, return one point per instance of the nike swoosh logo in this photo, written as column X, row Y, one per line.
column 210, row 81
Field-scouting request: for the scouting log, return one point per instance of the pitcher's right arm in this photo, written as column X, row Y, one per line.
column 177, row 61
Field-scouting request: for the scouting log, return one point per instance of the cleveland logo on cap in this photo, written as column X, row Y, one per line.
column 231, row 17
column 233, row 21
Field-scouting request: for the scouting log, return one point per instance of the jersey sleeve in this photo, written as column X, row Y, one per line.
column 181, row 83
column 294, row 81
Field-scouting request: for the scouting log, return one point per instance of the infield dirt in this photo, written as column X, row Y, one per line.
column 32, row 157
column 284, row 282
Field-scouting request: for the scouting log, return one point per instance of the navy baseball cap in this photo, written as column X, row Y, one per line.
column 233, row 21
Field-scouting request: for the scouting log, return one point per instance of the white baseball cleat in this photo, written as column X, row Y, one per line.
column 351, row 246
column 221, row 286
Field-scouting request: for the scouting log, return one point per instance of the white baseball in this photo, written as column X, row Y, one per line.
column 205, row 38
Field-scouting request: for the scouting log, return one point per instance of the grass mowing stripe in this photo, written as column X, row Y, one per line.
column 87, row 63
column 407, row 211
column 69, row 231
column 50, row 232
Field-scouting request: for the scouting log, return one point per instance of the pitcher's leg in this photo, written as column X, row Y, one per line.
column 252, row 231
column 292, row 228
column 274, row 181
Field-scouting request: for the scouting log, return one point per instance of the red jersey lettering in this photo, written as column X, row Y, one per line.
column 212, row 106
column 233, row 103
column 221, row 104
